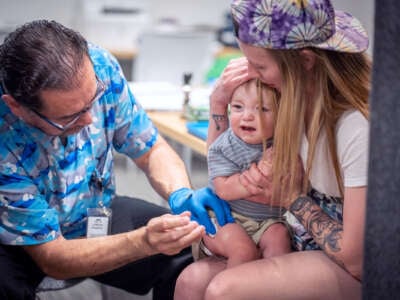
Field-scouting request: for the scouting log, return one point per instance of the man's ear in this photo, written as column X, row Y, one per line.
column 12, row 104
column 309, row 58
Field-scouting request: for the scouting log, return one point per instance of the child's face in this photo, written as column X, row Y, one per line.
column 245, row 118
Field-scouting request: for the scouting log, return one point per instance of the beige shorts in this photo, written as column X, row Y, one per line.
column 254, row 229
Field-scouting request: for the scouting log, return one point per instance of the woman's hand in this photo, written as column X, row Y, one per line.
column 169, row 234
column 235, row 73
column 284, row 195
column 258, row 179
column 258, row 182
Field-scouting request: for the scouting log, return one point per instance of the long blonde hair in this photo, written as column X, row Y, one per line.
column 341, row 82
column 273, row 95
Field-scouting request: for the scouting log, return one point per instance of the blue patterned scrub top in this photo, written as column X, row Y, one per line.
column 46, row 187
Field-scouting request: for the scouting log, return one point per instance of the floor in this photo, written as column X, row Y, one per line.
column 127, row 176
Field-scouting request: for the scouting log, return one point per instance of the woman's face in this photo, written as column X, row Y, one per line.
column 263, row 64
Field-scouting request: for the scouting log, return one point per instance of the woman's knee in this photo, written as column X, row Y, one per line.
column 189, row 280
column 183, row 279
column 193, row 280
column 218, row 288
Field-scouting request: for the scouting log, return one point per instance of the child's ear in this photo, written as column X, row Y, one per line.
column 12, row 104
column 308, row 58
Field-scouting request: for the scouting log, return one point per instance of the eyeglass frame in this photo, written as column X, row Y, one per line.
column 101, row 88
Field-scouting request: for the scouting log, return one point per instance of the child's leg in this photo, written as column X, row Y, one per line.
column 275, row 241
column 232, row 242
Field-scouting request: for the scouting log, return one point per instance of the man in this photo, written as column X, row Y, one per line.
column 65, row 107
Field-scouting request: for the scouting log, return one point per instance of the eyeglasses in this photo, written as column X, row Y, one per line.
column 101, row 87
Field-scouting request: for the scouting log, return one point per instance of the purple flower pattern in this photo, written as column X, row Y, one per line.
column 293, row 24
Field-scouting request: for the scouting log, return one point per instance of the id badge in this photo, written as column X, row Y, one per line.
column 98, row 222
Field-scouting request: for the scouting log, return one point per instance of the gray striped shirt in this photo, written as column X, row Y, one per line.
column 229, row 155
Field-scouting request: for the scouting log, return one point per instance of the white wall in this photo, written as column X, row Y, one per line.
column 14, row 12
column 118, row 30
column 364, row 11
column 186, row 12
column 191, row 12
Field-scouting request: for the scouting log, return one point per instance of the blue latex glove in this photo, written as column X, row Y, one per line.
column 197, row 202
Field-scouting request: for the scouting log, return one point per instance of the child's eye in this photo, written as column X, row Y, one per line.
column 236, row 107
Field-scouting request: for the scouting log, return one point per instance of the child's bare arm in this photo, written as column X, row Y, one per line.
column 230, row 188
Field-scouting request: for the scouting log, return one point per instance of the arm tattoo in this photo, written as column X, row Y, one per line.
column 326, row 231
column 217, row 119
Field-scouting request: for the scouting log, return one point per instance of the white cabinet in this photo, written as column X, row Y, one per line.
column 113, row 24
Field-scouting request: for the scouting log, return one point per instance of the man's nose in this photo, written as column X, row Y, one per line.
column 86, row 118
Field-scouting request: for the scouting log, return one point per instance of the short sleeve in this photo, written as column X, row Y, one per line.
column 219, row 164
column 135, row 133
column 353, row 148
column 25, row 217
column 125, row 121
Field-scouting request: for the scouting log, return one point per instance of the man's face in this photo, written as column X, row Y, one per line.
column 67, row 112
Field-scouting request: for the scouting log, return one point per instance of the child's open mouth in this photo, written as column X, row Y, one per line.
column 247, row 128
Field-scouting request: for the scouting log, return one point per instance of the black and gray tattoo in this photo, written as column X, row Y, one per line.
column 217, row 119
column 326, row 231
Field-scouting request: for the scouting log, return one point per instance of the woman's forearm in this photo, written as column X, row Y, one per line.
column 218, row 121
column 327, row 232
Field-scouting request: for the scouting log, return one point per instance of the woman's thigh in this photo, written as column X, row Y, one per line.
column 304, row 275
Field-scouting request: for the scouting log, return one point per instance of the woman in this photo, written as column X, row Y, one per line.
column 313, row 55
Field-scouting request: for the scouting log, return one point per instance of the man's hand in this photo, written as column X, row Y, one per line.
column 169, row 234
column 197, row 202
